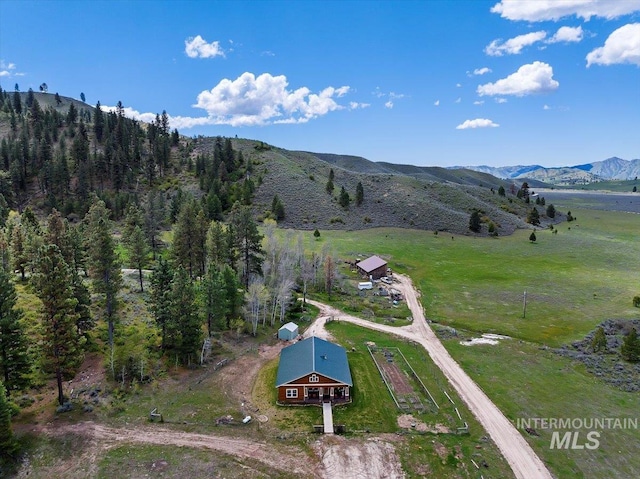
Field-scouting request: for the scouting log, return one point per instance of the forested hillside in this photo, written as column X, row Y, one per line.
column 127, row 241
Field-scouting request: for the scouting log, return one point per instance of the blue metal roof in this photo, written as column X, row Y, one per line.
column 313, row 355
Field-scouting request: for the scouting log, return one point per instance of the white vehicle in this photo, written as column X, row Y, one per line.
column 365, row 285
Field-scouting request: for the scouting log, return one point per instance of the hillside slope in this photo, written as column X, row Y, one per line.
column 394, row 195
column 134, row 158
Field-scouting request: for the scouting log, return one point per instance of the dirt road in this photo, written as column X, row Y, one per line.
column 523, row 460
column 286, row 459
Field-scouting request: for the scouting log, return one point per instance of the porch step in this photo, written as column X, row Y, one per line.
column 327, row 416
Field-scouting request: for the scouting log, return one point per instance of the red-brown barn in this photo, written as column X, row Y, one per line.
column 373, row 267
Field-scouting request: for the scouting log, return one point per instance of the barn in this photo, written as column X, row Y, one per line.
column 288, row 332
column 313, row 371
column 373, row 267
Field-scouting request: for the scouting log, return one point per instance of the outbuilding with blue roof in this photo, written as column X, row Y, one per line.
column 313, row 371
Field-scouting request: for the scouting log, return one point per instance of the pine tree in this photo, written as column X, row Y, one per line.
column 72, row 114
column 551, row 211
column 52, row 282
column 153, row 219
column 138, row 250
column 17, row 103
column 185, row 310
column 277, row 208
column 474, row 221
column 501, row 191
column 532, row 237
column 19, row 250
column 630, row 349
column 359, row 194
column 330, row 186
column 599, row 341
column 103, row 264
column 98, row 123
column 344, row 200
column 247, row 242
column 533, row 217
column 217, row 245
column 14, row 361
column 29, row 101
column 8, row 445
column 161, row 298
column 213, row 299
column 233, row 294
column 189, row 238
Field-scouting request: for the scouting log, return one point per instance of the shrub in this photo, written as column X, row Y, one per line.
column 636, row 301
column 336, row 219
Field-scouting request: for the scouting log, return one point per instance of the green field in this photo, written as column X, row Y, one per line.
column 574, row 280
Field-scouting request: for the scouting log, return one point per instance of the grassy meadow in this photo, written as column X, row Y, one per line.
column 574, row 279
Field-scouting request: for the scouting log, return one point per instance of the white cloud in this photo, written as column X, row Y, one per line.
column 437, row 103
column 197, row 47
column 540, row 10
column 342, row 91
column 514, row 45
column 501, row 100
column 458, row 85
column 262, row 100
column 458, row 100
column 251, row 100
column 478, row 102
column 546, row 107
column 477, row 123
column 536, row 77
column 391, row 97
column 7, row 69
column 567, row 35
column 622, row 46
column 481, row 71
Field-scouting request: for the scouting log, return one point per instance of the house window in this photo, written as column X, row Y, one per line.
column 314, row 378
column 292, row 393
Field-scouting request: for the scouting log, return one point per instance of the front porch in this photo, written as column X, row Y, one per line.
column 327, row 394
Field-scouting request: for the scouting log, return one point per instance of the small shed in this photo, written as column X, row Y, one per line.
column 288, row 332
column 373, row 267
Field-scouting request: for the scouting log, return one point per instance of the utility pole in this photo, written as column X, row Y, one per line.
column 524, row 306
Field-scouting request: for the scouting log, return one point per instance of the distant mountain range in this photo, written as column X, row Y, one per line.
column 610, row 169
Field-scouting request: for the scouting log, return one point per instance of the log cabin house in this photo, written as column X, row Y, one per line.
column 313, row 371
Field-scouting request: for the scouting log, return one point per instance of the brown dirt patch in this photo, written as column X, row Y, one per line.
column 239, row 375
column 407, row 421
column 355, row 458
column 399, row 381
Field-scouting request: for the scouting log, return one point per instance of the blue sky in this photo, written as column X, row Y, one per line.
column 433, row 83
